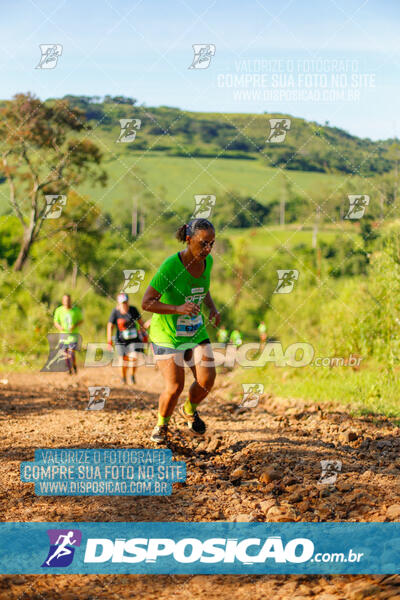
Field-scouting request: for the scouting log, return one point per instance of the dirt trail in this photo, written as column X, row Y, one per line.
column 259, row 465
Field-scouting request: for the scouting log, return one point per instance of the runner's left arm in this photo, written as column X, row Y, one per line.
column 214, row 314
column 56, row 320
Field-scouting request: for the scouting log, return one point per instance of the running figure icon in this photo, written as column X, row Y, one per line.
column 62, row 549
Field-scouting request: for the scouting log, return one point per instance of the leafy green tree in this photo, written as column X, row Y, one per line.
column 10, row 233
column 39, row 158
column 75, row 237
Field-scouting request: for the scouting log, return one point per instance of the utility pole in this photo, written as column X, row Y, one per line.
column 315, row 242
column 282, row 207
column 134, row 216
column 316, row 225
column 319, row 261
column 142, row 223
column 282, row 212
column 75, row 262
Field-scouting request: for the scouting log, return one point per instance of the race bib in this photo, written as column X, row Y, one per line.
column 188, row 326
column 129, row 334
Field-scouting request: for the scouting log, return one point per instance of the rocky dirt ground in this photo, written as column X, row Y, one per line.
column 259, row 464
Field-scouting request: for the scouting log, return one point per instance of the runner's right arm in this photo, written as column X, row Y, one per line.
column 109, row 333
column 151, row 302
column 56, row 321
column 110, row 325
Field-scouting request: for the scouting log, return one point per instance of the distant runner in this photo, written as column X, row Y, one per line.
column 262, row 332
column 67, row 319
column 236, row 338
column 222, row 335
column 178, row 333
column 128, row 338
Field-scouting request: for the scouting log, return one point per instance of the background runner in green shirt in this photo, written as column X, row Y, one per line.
column 262, row 332
column 178, row 332
column 236, row 338
column 67, row 319
column 222, row 335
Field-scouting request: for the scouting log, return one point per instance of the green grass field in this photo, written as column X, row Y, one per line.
column 174, row 180
column 264, row 240
column 177, row 179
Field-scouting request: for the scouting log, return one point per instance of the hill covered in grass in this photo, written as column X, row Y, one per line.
column 308, row 146
column 177, row 154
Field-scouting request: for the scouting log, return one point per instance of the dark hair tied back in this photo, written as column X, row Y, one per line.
column 189, row 229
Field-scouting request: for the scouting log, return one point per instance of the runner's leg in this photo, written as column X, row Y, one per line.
column 68, row 359
column 174, row 379
column 132, row 363
column 204, row 373
column 201, row 362
column 73, row 359
column 132, row 360
column 125, row 361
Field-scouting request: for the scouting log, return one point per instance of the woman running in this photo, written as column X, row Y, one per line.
column 127, row 340
column 177, row 330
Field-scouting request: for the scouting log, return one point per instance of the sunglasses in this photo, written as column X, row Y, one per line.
column 204, row 244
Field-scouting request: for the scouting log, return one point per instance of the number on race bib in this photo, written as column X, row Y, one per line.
column 129, row 334
column 188, row 326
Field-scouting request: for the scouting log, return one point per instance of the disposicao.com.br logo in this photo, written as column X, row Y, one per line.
column 213, row 550
column 205, row 548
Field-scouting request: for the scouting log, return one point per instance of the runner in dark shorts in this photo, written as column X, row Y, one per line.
column 129, row 326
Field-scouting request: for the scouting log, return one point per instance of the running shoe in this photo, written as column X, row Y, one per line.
column 160, row 434
column 132, row 380
column 123, row 380
column 194, row 422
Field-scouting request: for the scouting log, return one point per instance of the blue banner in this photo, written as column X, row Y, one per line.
column 200, row 548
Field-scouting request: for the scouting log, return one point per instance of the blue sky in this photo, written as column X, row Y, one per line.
column 143, row 49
